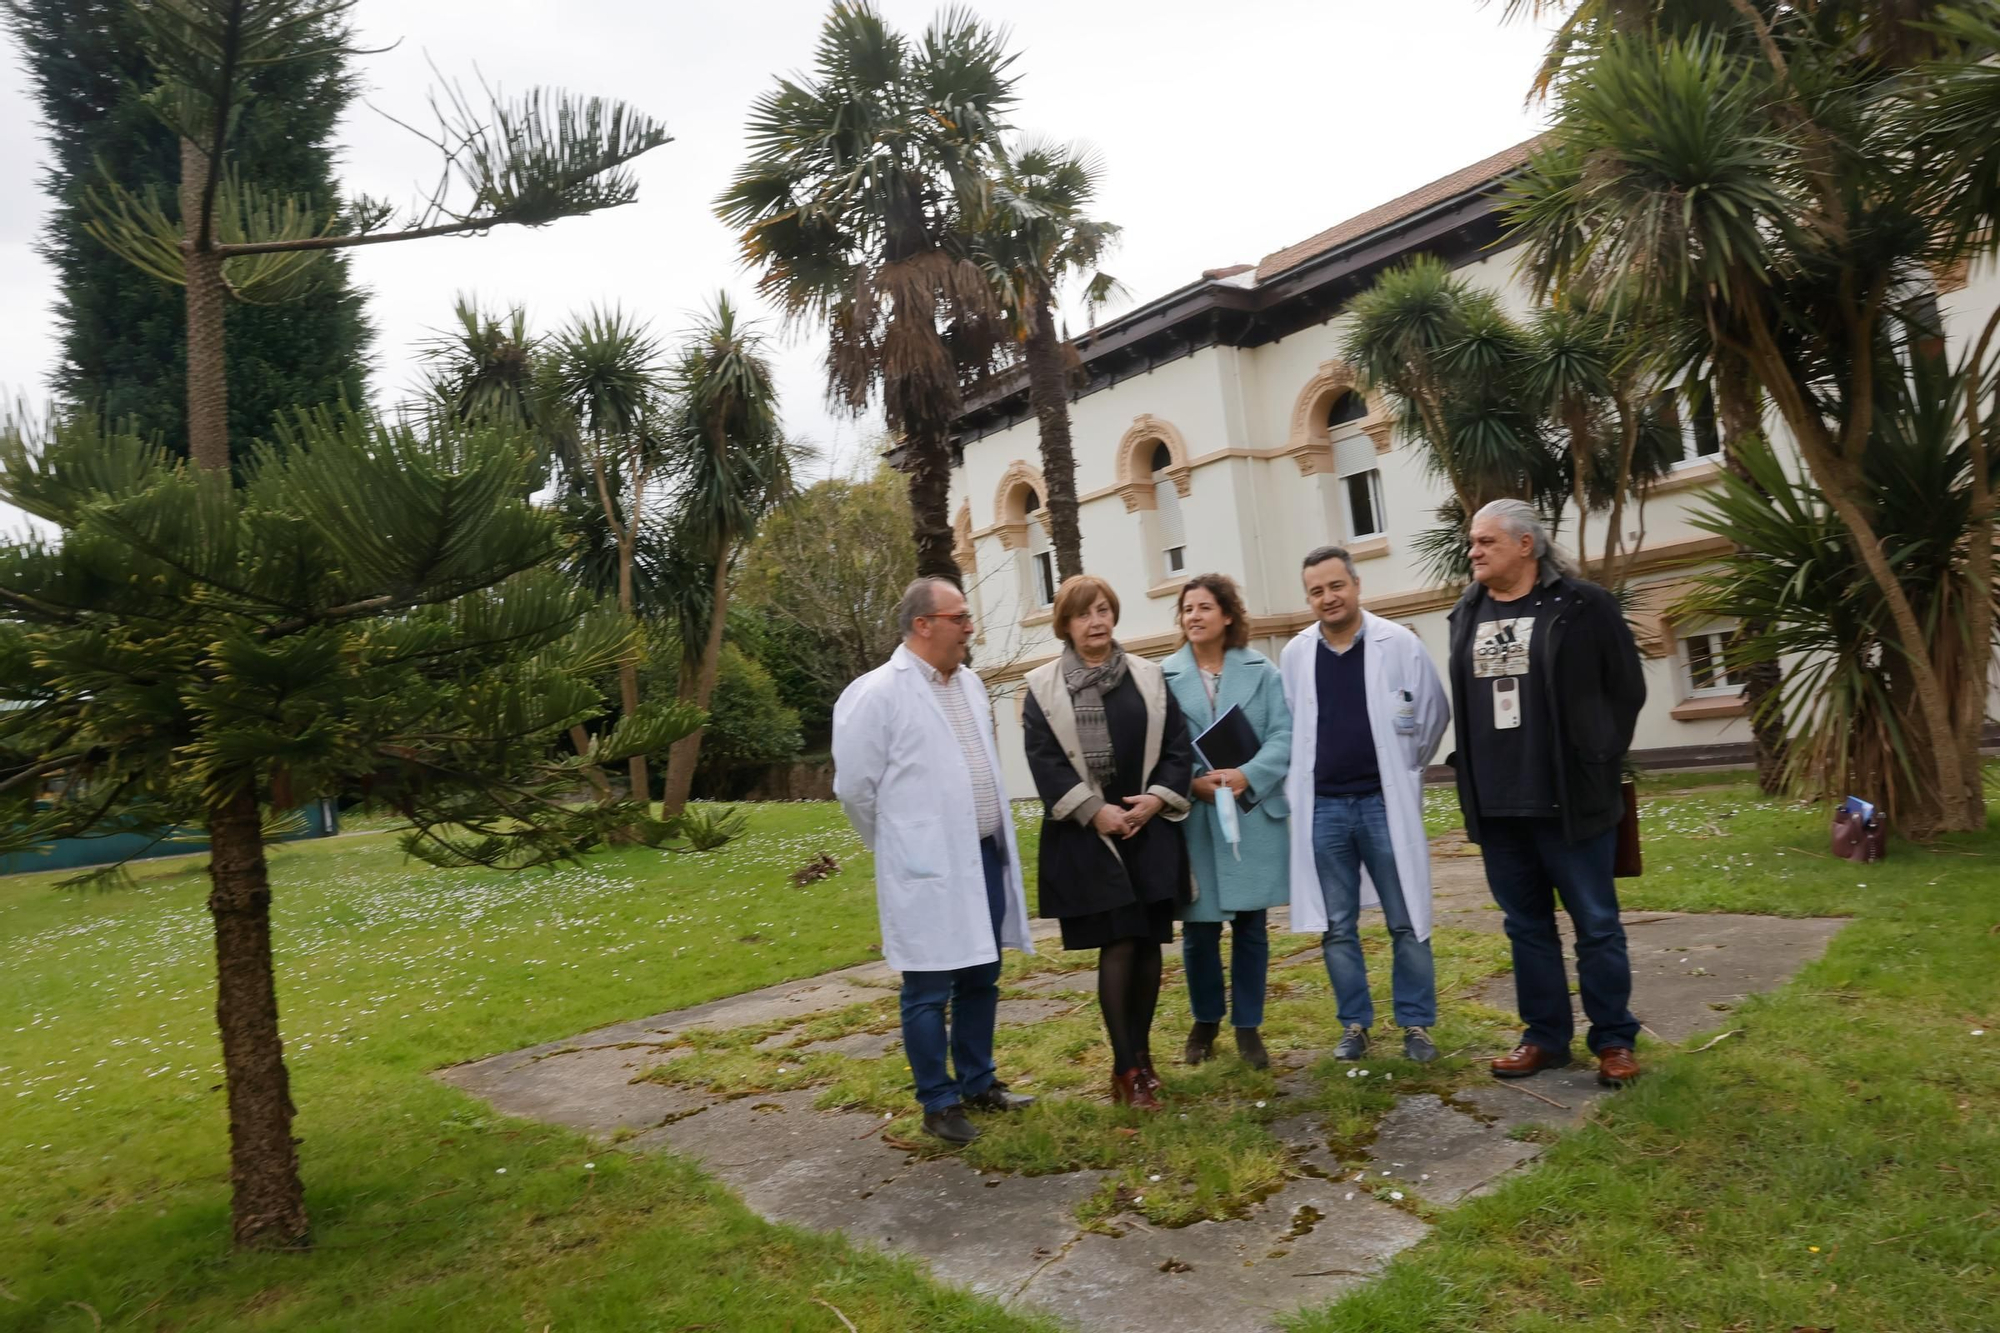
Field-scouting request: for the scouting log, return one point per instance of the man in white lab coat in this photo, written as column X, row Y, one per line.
column 916, row 770
column 1367, row 711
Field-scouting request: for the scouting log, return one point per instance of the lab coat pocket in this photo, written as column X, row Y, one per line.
column 914, row 848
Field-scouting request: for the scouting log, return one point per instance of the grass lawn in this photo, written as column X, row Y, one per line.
column 429, row 1213
column 1833, row 1165
column 1836, row 1165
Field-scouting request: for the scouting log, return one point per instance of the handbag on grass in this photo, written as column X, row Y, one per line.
column 1628, row 862
column 1860, row 833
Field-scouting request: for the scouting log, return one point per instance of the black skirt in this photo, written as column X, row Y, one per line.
column 1133, row 921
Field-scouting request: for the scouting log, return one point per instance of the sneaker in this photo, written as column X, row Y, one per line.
column 1418, row 1046
column 950, row 1125
column 1353, row 1043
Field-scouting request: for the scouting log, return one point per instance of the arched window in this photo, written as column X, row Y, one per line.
column 1350, row 406
column 1169, row 529
column 1355, row 503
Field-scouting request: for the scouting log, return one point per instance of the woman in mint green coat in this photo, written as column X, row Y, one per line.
column 1213, row 669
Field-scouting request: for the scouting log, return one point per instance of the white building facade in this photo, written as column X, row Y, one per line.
column 1221, row 432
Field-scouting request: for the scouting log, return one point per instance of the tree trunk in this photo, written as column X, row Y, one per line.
column 1838, row 477
column 1736, row 404
column 267, row 1204
column 628, row 671
column 929, row 452
column 681, row 760
column 628, row 698
column 207, row 300
column 1047, row 390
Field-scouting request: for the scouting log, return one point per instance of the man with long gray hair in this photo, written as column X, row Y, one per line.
column 1546, row 687
column 915, row 768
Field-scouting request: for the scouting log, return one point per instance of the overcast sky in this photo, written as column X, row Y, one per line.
column 1228, row 130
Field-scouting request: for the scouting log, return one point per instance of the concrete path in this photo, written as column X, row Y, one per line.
column 1016, row 1238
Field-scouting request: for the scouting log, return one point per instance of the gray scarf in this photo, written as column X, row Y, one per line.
column 1087, row 687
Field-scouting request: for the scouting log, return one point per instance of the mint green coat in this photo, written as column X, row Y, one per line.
column 1225, row 885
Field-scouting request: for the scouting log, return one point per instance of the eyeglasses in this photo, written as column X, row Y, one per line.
column 962, row 617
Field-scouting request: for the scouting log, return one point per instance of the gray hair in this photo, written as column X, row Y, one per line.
column 1519, row 518
column 920, row 599
column 1319, row 555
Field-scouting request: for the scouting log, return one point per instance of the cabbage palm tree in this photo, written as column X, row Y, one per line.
column 1598, row 382
column 853, row 208
column 1453, row 365
column 731, row 466
column 1769, row 171
column 605, row 390
column 1036, row 236
column 1845, row 700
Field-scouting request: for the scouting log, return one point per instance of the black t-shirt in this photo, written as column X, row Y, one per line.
column 1513, row 769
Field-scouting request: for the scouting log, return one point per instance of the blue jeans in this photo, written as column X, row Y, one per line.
column 1350, row 832
column 1249, row 960
column 1527, row 864
column 974, row 996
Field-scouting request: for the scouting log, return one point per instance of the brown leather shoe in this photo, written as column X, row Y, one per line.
column 1616, row 1067
column 1151, row 1080
column 1130, row 1089
column 1528, row 1058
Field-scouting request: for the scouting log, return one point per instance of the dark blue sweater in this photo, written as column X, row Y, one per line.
column 1344, row 762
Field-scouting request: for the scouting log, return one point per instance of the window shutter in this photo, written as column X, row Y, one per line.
column 1167, row 505
column 1354, row 454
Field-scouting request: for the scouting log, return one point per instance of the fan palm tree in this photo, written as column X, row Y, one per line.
column 863, row 180
column 606, row 388
column 1769, row 171
column 731, row 466
column 1035, row 237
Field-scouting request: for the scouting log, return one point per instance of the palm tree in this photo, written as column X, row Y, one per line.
column 481, row 366
column 1844, row 699
column 1036, row 236
column 606, row 387
column 1598, row 381
column 853, row 209
column 1452, row 363
column 731, row 466
column 1770, row 172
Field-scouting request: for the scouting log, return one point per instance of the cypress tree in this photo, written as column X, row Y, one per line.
column 124, row 332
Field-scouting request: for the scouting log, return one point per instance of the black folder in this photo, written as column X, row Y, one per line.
column 1230, row 742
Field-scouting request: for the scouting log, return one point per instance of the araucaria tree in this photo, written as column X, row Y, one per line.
column 121, row 330
column 368, row 608
column 373, row 608
column 1036, row 236
column 529, row 162
column 1802, row 174
column 863, row 182
column 730, row 467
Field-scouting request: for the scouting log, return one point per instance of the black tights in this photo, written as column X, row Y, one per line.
column 1128, row 990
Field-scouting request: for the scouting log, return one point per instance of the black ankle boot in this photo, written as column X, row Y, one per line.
column 1200, row 1043
column 1250, row 1046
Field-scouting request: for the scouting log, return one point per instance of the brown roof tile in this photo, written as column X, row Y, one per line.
column 1466, row 178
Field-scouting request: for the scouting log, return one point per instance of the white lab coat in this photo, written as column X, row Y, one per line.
column 900, row 775
column 1396, row 661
